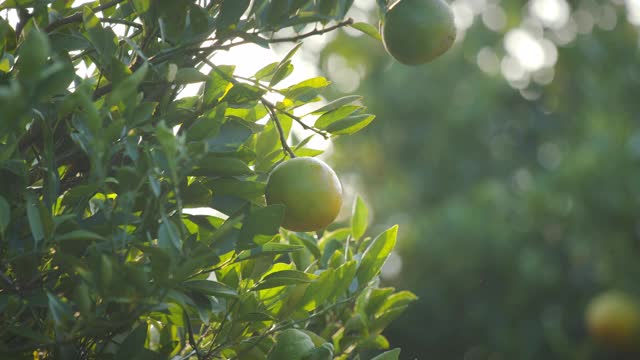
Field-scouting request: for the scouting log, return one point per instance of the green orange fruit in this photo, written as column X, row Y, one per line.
column 613, row 318
column 310, row 191
column 418, row 31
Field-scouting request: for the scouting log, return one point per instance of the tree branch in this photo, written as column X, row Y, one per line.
column 123, row 22
column 77, row 17
column 192, row 340
column 296, row 119
column 297, row 38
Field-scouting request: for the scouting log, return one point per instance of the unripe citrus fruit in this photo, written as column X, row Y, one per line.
column 291, row 344
column 418, row 31
column 310, row 191
column 613, row 318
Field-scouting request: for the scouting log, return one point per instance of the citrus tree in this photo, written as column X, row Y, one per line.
column 101, row 253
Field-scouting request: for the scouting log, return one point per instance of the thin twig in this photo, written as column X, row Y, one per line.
column 268, row 104
column 224, row 320
column 216, row 268
column 297, row 38
column 192, row 340
column 283, row 140
column 295, row 118
column 77, row 17
column 123, row 22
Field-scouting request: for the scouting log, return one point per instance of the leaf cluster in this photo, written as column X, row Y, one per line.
column 102, row 254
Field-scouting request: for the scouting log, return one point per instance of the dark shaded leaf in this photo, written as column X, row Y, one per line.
column 211, row 288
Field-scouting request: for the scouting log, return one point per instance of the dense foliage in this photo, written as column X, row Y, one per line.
column 515, row 181
column 101, row 253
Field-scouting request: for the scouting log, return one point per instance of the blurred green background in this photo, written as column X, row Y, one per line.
column 512, row 164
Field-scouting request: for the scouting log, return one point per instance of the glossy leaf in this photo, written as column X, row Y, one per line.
column 359, row 218
column 367, row 29
column 283, row 278
column 375, row 255
column 211, row 288
column 388, row 355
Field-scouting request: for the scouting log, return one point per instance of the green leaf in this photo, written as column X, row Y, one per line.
column 252, row 112
column 103, row 40
column 35, row 221
column 267, row 141
column 308, row 241
column 231, row 136
column 350, row 124
column 268, row 249
column 5, row 214
column 345, row 274
column 211, row 288
column 399, row 299
column 25, row 332
column 323, row 352
column 141, row 6
column 327, row 7
column 320, row 290
column 283, row 278
column 189, row 76
column 160, row 262
column 382, row 7
column 255, row 39
column 255, row 317
column 306, row 90
column 133, row 345
column 241, row 94
column 284, row 67
column 248, row 190
column 261, row 221
column 208, row 125
column 266, row 72
column 367, row 29
column 359, row 219
column 128, row 88
column 338, row 103
column 340, row 113
column 60, row 312
column 383, row 320
column 168, row 234
column 212, row 165
column 388, row 355
column 230, row 12
column 56, row 77
column 375, row 255
column 196, row 195
column 218, row 84
column 371, row 299
column 281, row 73
column 34, row 52
column 6, row 62
column 79, row 235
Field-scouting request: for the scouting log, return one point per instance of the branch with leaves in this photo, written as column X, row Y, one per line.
column 97, row 221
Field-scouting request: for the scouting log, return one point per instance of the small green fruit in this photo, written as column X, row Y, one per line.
column 418, row 31
column 310, row 191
